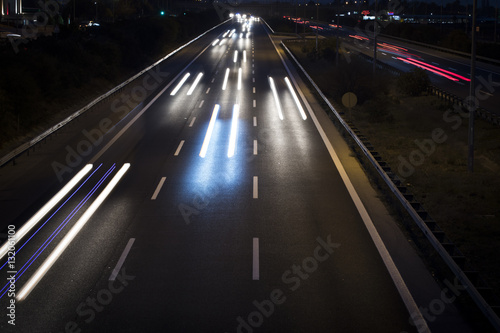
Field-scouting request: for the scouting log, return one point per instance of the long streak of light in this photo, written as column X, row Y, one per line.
column 222, row 42
column 210, row 129
column 244, row 55
column 225, row 34
column 193, row 86
column 408, row 61
column 45, row 209
column 47, row 264
column 439, row 69
column 224, row 84
column 234, row 131
column 276, row 98
column 179, row 85
column 239, row 78
column 295, row 98
column 235, row 56
column 215, row 42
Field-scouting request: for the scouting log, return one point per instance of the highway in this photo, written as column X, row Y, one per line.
column 446, row 71
column 229, row 212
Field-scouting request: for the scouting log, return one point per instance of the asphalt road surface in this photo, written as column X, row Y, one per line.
column 228, row 215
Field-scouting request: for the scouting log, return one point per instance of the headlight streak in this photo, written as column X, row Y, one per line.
column 248, row 34
column 179, row 85
column 235, row 58
column 193, row 86
column 241, row 35
column 225, row 34
column 239, row 78
column 61, row 226
column 276, row 99
column 226, row 76
column 54, row 213
column 222, row 42
column 244, row 55
column 210, row 129
column 215, row 42
column 46, row 208
column 68, row 238
column 234, row 131
column 295, row 98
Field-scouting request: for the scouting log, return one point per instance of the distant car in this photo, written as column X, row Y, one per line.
column 85, row 24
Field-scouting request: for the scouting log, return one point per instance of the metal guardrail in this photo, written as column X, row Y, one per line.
column 436, row 244
column 27, row 145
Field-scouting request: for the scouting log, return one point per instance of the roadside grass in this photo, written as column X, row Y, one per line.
column 465, row 205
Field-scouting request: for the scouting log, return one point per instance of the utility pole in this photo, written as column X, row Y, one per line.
column 375, row 39
column 317, row 26
column 472, row 88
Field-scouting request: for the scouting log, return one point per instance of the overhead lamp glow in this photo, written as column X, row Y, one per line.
column 210, row 129
column 224, row 84
column 239, row 78
column 234, row 131
column 68, row 238
column 179, row 85
column 193, row 86
column 276, row 99
column 235, row 58
column 45, row 209
column 295, row 98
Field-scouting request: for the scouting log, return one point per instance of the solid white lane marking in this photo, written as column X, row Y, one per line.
column 255, row 261
column 254, row 103
column 201, row 103
column 179, row 148
column 210, row 129
column 179, row 85
column 68, row 238
column 195, row 83
column 255, row 147
column 192, row 122
column 403, row 291
column 158, row 188
column 120, row 262
column 255, row 187
column 255, row 121
column 207, row 90
column 45, row 209
column 234, row 131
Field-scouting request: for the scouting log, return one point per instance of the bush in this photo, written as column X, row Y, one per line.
column 414, row 83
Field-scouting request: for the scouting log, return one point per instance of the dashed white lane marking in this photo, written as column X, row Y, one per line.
column 179, row 148
column 255, row 187
column 255, row 260
column 192, row 122
column 158, row 188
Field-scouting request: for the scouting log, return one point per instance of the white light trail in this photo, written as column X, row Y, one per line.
column 215, row 42
column 295, row 98
column 45, row 209
column 239, row 78
column 276, row 99
column 222, row 42
column 193, row 86
column 225, row 34
column 234, row 131
column 244, row 55
column 210, row 129
column 68, row 238
column 224, row 84
column 179, row 85
column 235, row 56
